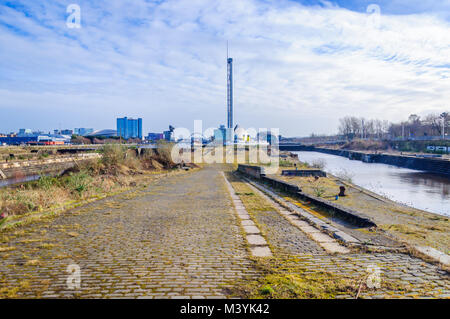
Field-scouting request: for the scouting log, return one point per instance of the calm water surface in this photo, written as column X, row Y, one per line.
column 417, row 189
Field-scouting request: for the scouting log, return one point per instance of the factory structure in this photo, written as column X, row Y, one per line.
column 230, row 134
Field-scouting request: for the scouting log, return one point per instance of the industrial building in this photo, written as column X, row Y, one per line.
column 129, row 128
column 168, row 135
column 153, row 137
column 35, row 139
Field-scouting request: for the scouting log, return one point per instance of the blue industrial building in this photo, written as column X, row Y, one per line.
column 129, row 128
column 18, row 140
column 155, row 136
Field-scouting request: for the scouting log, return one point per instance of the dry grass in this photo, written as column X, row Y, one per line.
column 366, row 145
column 118, row 168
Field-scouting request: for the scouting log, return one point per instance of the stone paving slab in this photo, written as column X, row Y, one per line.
column 434, row 254
column 308, row 229
column 251, row 230
column 334, row 248
column 247, row 222
column 321, row 238
column 257, row 240
column 259, row 251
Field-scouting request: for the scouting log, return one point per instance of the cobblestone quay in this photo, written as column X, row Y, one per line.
column 177, row 238
column 180, row 238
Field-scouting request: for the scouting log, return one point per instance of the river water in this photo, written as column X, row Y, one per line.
column 414, row 188
column 19, row 180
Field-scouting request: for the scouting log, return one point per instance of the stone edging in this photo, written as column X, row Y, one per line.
column 316, row 234
column 258, row 245
column 312, row 220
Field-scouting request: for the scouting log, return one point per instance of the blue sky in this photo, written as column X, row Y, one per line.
column 299, row 65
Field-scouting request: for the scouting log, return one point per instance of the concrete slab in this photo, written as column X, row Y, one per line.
column 434, row 254
column 335, row 248
column 309, row 229
column 340, row 235
column 247, row 222
column 316, row 221
column 300, row 223
column 256, row 240
column 321, row 238
column 261, row 251
column 291, row 217
column 251, row 230
column 244, row 216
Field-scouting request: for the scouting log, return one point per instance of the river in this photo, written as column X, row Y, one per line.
column 417, row 189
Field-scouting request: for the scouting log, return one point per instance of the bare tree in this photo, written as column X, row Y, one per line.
column 345, row 127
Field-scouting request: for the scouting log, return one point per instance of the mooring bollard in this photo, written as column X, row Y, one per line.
column 341, row 191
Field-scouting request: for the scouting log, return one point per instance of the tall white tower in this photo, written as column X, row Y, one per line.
column 230, row 91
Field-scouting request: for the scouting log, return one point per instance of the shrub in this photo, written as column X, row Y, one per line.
column 319, row 164
column 78, row 183
column 164, row 153
column 113, row 156
column 267, row 290
column 345, row 175
column 318, row 189
column 285, row 163
column 131, row 160
column 23, row 203
column 92, row 166
column 46, row 182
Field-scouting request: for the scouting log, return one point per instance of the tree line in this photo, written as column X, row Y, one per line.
column 431, row 125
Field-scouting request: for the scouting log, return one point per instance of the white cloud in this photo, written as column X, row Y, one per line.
column 296, row 67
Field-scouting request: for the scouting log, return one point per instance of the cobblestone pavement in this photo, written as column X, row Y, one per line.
column 180, row 238
column 294, row 252
column 177, row 238
column 284, row 237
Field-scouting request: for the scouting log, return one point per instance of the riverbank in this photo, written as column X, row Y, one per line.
column 421, row 162
column 407, row 224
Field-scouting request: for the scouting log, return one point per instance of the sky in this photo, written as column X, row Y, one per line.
column 298, row 65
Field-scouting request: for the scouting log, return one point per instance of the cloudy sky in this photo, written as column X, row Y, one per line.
column 299, row 65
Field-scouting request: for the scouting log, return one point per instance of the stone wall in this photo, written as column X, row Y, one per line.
column 27, row 168
column 434, row 165
column 254, row 171
column 304, row 172
column 351, row 216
